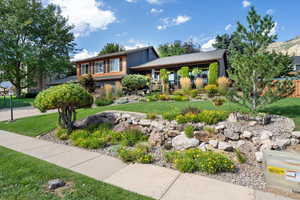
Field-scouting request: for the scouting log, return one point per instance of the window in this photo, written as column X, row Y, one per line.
column 297, row 67
column 84, row 69
column 114, row 65
column 99, row 67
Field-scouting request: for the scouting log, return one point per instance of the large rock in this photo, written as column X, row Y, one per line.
column 181, row 142
column 246, row 135
column 105, row 117
column 214, row 143
column 259, row 156
column 296, row 134
column 231, row 134
column 265, row 135
column 122, row 100
column 281, row 144
column 225, row 146
column 55, row 183
column 144, row 122
column 156, row 138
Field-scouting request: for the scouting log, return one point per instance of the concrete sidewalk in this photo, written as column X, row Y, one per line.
column 21, row 112
column 149, row 180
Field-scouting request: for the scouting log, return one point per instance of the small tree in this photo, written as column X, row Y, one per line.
column 88, row 82
column 196, row 72
column 164, row 76
column 111, row 48
column 213, row 74
column 66, row 98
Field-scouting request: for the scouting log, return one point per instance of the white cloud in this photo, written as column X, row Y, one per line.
column 246, row 3
column 274, row 29
column 270, row 11
column 155, row 1
column 84, row 54
column 208, row 45
column 86, row 15
column 156, row 11
column 133, row 44
column 228, row 27
column 169, row 22
column 131, row 1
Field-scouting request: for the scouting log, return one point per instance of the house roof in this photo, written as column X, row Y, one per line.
column 297, row 60
column 63, row 80
column 183, row 59
column 112, row 77
column 121, row 53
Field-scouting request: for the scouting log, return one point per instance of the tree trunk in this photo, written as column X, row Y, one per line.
column 67, row 118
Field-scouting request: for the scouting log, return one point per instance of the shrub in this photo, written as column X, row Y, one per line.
column 189, row 131
column 190, row 109
column 212, row 116
column 66, row 98
column 31, row 95
column 131, row 136
column 189, row 117
column 179, row 98
column 91, row 142
column 211, row 90
column 223, row 91
column 163, row 97
column 151, row 116
column 213, row 74
column 108, row 91
column 185, row 83
column 102, row 101
column 118, row 89
column 196, row 71
column 62, row 134
column 184, row 72
column 88, row 82
column 240, row 156
column 134, row 82
column 79, row 134
column 199, row 83
column 179, row 93
column 170, row 115
column 151, row 98
column 135, row 155
column 219, row 101
column 192, row 160
column 223, row 82
column 194, row 93
column 210, row 130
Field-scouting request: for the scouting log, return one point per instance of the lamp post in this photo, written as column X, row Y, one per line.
column 10, row 93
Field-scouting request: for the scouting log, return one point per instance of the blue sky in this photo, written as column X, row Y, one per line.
column 134, row 23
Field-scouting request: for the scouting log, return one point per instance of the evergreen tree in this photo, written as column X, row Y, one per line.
column 253, row 71
column 111, row 48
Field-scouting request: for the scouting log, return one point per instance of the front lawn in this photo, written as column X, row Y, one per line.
column 33, row 126
column 24, row 177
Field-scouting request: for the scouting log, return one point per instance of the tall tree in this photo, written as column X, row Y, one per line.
column 33, row 39
column 177, row 48
column 253, row 71
column 111, row 48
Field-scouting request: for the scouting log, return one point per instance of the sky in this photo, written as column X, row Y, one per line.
column 139, row 23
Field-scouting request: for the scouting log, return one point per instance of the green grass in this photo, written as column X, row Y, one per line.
column 17, row 102
column 33, row 126
column 24, row 177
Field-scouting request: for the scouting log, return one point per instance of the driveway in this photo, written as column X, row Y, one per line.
column 21, row 112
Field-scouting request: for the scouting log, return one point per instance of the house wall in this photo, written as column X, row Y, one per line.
column 123, row 67
column 141, row 57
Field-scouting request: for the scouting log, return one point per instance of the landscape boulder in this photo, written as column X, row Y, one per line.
column 181, row 142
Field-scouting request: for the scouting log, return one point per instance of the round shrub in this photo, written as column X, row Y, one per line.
column 213, row 74
column 134, row 82
column 212, row 116
column 189, row 131
column 66, row 98
column 211, row 90
column 101, row 101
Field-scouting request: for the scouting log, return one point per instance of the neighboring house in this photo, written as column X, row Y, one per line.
column 296, row 63
column 110, row 68
column 67, row 79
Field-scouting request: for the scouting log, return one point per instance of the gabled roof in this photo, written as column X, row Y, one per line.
column 121, row 53
column 184, row 59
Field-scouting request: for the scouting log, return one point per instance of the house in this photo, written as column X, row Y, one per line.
column 109, row 68
column 296, row 63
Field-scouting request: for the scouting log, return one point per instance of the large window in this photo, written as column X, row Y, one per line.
column 84, row 69
column 114, row 65
column 99, row 67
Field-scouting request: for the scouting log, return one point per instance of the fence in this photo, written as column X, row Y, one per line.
column 297, row 89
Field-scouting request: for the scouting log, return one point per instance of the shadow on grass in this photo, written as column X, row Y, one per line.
column 292, row 111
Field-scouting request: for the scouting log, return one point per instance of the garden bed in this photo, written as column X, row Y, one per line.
column 163, row 135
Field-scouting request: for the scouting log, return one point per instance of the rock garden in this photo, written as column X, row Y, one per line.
column 225, row 146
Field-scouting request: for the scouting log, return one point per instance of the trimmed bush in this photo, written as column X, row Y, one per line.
column 184, row 72
column 213, row 74
column 179, row 98
column 189, row 131
column 212, row 116
column 66, row 98
column 134, row 82
column 101, row 101
column 185, row 83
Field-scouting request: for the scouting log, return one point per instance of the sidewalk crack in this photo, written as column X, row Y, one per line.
column 168, row 188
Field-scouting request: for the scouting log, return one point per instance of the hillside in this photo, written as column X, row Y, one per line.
column 291, row 47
